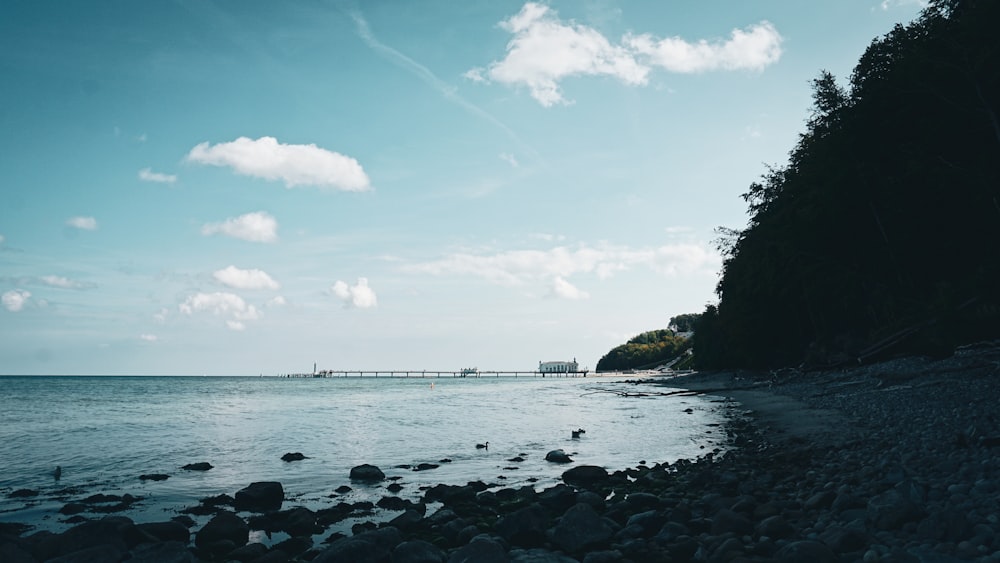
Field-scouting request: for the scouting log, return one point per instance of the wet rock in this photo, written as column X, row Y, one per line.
column 367, row 472
column 260, row 497
column 167, row 531
column 558, row 456
column 557, row 498
column 296, row 456
column 294, row 546
column 584, row 475
column 426, row 466
column 163, row 552
column 726, row 521
column 154, row 477
column 776, row 528
column 225, row 528
column 200, row 466
column 482, row 549
column 581, row 528
column 249, row 552
column 524, row 527
column 418, row 551
column 538, row 556
column 844, row 540
column 23, row 493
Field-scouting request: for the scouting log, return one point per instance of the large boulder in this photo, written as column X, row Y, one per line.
column 891, row 509
column 524, row 527
column 260, row 497
column 367, row 472
column 223, row 533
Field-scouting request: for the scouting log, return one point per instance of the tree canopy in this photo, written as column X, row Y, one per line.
column 887, row 214
column 646, row 350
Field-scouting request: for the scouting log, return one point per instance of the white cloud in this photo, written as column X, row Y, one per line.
column 245, row 279
column 360, row 295
column 148, row 337
column 753, row 48
column 15, row 299
column 147, row 175
column 277, row 301
column 296, row 165
column 887, row 4
column 161, row 316
column 62, row 282
column 509, row 159
column 518, row 267
column 83, row 223
column 220, row 304
column 544, row 50
column 254, row 227
column 565, row 290
column 2, row 239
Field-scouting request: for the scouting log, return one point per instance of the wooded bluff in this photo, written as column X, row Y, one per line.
column 882, row 232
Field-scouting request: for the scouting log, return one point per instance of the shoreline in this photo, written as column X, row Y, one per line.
column 896, row 461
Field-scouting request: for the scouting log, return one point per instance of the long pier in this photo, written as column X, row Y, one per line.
column 432, row 373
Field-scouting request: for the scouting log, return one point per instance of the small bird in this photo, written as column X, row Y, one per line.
column 485, row 446
column 576, row 433
column 57, row 473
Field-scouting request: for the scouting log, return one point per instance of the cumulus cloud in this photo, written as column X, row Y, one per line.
column 229, row 306
column 245, row 279
column 82, row 223
column 752, row 48
column 544, row 50
column 295, row 165
column 565, row 290
column 161, row 316
column 360, row 296
column 254, row 227
column 518, row 267
column 15, row 299
column 147, row 175
column 148, row 337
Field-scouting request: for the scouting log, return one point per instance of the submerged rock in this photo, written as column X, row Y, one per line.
column 200, row 466
column 558, row 456
column 260, row 497
column 296, row 456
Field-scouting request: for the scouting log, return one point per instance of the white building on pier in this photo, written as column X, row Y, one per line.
column 559, row 367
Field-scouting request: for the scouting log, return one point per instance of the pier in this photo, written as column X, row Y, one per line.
column 327, row 373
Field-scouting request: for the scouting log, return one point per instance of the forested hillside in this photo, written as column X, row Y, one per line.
column 882, row 232
column 651, row 348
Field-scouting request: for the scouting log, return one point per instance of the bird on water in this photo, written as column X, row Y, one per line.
column 576, row 433
column 485, row 446
column 57, row 473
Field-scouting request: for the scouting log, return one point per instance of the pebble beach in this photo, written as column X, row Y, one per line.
column 893, row 461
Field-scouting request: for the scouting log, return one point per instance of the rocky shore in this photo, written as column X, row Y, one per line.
column 895, row 461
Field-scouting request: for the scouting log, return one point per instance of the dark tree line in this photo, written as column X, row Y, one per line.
column 887, row 214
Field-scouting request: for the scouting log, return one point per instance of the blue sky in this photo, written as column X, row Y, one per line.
column 248, row 187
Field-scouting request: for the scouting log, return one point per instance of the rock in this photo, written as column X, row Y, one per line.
column 300, row 521
column 71, row 508
column 844, row 540
column 891, row 509
column 775, row 527
column 524, row 527
column 366, row 472
column 583, row 475
column 249, row 552
column 260, row 497
column 538, row 556
column 163, row 552
column 408, row 520
column 23, row 493
column 154, row 477
column 807, row 550
column 200, row 466
column 343, row 489
column 580, row 529
column 482, row 549
column 167, row 531
column 294, row 546
column 558, row 456
column 426, row 466
column 557, row 498
column 418, row 551
column 96, row 540
column 224, row 527
column 293, row 457
column 726, row 521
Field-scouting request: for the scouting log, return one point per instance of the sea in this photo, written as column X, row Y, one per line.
column 105, row 432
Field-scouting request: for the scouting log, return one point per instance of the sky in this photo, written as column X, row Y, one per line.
column 245, row 187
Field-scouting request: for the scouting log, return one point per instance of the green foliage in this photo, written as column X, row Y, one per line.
column 888, row 211
column 644, row 351
column 684, row 323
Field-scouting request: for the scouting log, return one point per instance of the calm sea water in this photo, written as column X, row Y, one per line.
column 107, row 431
